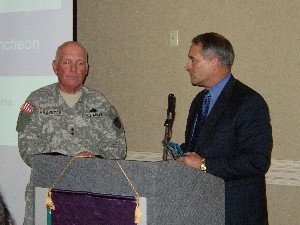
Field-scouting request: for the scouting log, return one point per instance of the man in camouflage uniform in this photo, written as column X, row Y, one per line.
column 68, row 118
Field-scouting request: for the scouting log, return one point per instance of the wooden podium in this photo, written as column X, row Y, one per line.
column 176, row 194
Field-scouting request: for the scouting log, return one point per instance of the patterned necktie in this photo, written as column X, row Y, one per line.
column 200, row 118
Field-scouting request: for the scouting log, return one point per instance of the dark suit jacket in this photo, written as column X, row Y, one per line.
column 236, row 142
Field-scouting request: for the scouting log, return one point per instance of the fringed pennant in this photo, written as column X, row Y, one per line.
column 66, row 206
column 77, row 207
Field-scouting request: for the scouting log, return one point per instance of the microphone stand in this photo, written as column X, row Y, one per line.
column 169, row 124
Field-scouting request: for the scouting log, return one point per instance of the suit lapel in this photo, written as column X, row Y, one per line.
column 192, row 115
column 215, row 113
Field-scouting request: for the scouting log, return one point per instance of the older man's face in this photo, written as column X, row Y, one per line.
column 71, row 68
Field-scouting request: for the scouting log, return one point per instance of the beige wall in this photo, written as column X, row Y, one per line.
column 132, row 63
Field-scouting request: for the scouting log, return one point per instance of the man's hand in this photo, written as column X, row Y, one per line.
column 191, row 159
column 86, row 154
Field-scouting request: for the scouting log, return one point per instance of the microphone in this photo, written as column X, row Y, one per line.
column 171, row 107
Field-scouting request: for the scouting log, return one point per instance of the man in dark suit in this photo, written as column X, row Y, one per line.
column 235, row 140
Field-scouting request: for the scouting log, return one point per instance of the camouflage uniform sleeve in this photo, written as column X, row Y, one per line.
column 114, row 145
column 29, row 130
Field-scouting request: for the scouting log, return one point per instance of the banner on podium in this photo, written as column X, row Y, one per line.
column 79, row 207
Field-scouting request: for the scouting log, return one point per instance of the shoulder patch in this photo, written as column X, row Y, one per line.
column 117, row 122
column 28, row 107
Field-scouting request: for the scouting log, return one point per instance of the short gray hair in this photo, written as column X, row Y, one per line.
column 215, row 45
column 59, row 49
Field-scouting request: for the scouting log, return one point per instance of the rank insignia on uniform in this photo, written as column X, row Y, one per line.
column 27, row 107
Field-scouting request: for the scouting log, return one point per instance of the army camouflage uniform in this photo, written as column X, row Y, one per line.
column 51, row 126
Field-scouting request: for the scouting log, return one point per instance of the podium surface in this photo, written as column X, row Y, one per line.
column 176, row 194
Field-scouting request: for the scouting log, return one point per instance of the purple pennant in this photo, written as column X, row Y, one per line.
column 86, row 208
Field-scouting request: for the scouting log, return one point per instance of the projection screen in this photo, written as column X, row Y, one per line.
column 31, row 31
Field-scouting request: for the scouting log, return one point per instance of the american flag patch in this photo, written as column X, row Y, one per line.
column 27, row 107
